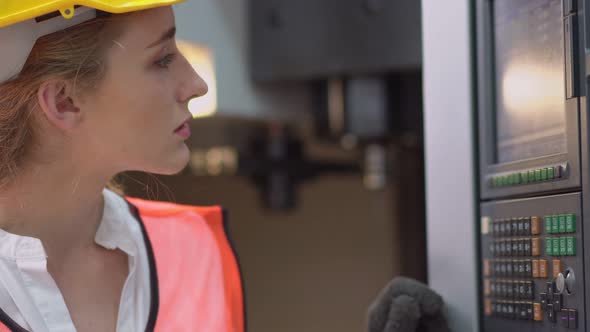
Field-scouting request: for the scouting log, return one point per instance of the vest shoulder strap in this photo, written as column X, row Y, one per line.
column 196, row 265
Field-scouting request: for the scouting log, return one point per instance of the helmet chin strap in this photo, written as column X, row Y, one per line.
column 20, row 39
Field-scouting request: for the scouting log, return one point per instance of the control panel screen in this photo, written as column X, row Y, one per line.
column 529, row 79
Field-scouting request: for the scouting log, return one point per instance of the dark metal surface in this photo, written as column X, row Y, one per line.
column 322, row 38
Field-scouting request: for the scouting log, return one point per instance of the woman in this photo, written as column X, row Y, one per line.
column 84, row 95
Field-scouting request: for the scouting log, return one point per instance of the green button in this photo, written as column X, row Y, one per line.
column 516, row 178
column 531, row 176
column 547, row 220
column 570, row 223
column 524, row 177
column 544, row 174
column 538, row 175
column 562, row 223
column 555, row 242
column 563, row 246
column 548, row 247
column 555, row 224
column 571, row 245
column 510, row 179
column 504, row 180
column 551, row 173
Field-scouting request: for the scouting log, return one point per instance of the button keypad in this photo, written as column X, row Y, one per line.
column 521, row 252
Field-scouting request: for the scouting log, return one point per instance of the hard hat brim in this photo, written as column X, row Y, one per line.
column 17, row 11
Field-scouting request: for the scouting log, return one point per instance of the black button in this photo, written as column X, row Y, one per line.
column 508, row 251
column 527, row 225
column 514, row 247
column 573, row 318
column 513, row 227
column 503, row 269
column 502, row 289
column 530, row 290
column 512, row 310
column 520, row 247
column 529, row 311
column 508, row 227
column 522, row 290
column 550, row 290
column 564, row 318
column 528, row 268
column 509, row 269
column 543, row 299
column 505, row 309
column 527, row 247
column 520, row 224
column 509, row 290
column 521, row 270
column 502, row 228
column 557, row 302
column 550, row 313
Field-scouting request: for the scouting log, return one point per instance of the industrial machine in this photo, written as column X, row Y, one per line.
column 533, row 163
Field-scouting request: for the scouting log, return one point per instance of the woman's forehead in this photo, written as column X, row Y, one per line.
column 146, row 27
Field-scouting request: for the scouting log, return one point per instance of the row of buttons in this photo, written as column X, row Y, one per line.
column 510, row 289
column 515, row 247
column 513, row 310
column 562, row 223
column 536, row 268
column 560, row 246
column 515, row 268
column 569, row 318
column 516, row 226
column 526, row 177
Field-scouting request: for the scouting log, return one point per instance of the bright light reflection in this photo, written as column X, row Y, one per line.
column 532, row 89
column 201, row 58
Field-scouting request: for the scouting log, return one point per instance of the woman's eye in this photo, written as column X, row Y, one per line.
column 166, row 61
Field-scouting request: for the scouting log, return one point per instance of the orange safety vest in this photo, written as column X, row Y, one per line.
column 194, row 273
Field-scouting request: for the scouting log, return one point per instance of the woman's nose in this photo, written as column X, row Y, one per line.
column 193, row 85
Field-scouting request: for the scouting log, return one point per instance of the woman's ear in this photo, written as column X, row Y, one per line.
column 56, row 100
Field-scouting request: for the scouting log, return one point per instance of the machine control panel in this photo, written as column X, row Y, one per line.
column 530, row 254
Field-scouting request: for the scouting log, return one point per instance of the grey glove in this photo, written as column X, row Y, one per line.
column 406, row 305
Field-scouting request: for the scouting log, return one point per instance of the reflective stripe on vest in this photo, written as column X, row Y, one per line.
column 197, row 277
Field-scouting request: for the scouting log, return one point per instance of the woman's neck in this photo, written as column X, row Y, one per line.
column 54, row 204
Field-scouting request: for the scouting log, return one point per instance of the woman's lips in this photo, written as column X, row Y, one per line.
column 183, row 131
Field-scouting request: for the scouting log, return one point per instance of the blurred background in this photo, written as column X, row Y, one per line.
column 312, row 138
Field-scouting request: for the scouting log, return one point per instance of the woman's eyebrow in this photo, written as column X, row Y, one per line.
column 169, row 34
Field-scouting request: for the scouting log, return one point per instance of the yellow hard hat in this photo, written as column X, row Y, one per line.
column 19, row 28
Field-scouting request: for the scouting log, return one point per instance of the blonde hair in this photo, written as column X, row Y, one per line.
column 76, row 55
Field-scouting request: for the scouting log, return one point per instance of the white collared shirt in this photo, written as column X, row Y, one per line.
column 30, row 296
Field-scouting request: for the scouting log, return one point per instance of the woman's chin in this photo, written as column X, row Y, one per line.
column 173, row 163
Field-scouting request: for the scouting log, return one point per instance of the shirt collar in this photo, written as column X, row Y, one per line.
column 118, row 228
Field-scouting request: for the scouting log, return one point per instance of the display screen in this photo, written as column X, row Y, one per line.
column 529, row 79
